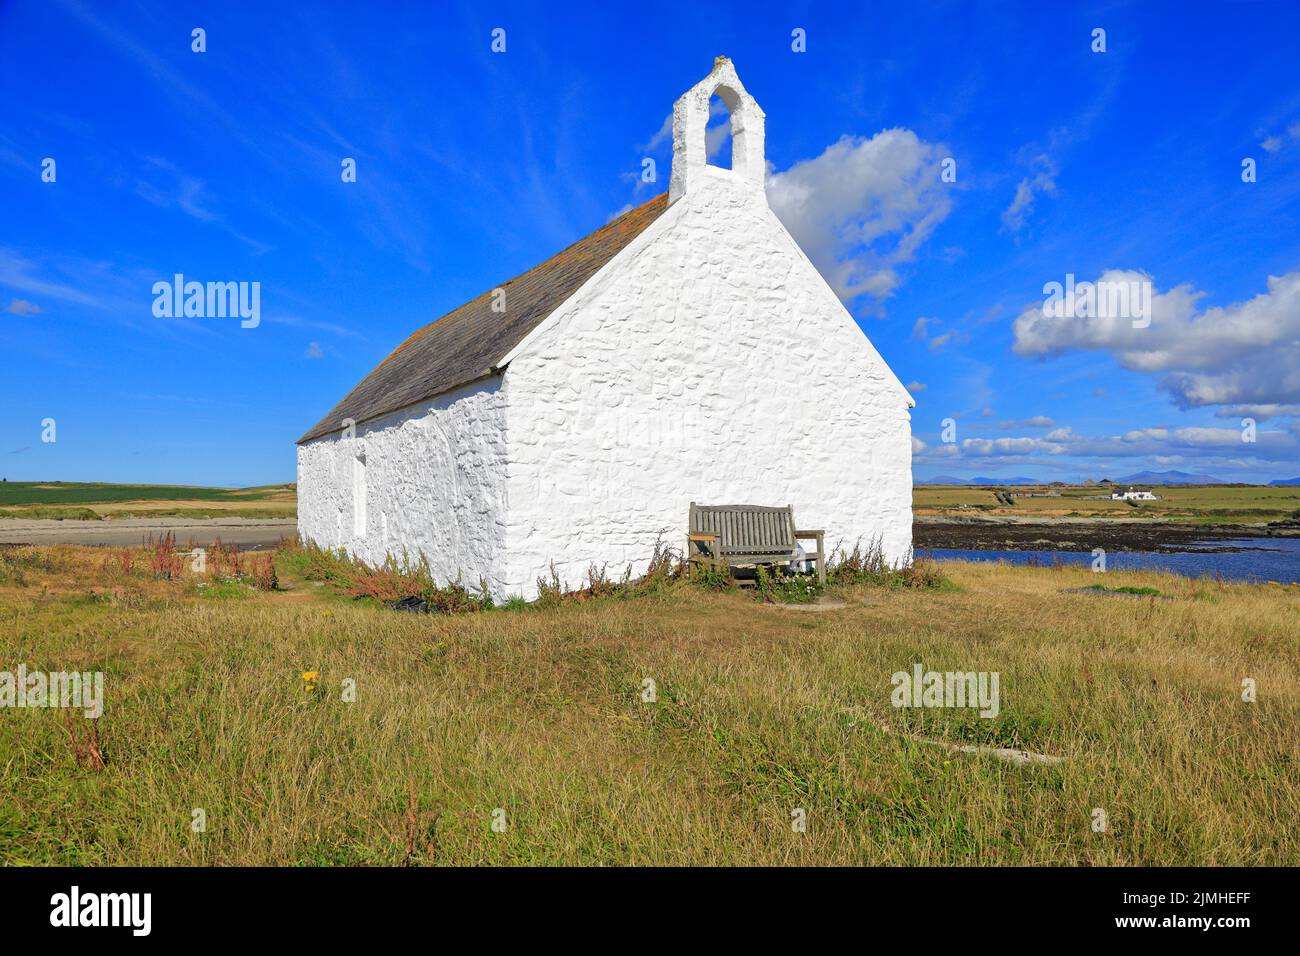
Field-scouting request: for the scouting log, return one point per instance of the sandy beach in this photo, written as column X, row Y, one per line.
column 247, row 533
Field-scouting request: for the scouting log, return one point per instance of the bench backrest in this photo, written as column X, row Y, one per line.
column 746, row 529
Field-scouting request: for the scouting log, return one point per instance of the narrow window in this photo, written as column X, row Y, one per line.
column 359, row 496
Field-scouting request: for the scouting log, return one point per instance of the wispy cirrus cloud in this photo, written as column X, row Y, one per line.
column 20, row 273
column 162, row 184
column 299, row 322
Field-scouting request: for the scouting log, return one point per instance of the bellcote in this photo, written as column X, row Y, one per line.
column 691, row 120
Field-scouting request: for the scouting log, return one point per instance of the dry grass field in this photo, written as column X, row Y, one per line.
column 535, row 715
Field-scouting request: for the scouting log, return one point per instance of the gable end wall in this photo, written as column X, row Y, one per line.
column 709, row 362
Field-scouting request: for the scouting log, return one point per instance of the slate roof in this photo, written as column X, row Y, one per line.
column 467, row 343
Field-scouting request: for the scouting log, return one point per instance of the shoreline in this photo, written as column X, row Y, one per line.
column 1083, row 534
column 1003, row 533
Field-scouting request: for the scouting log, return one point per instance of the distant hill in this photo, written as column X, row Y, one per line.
column 979, row 480
column 1286, row 481
column 1167, row 478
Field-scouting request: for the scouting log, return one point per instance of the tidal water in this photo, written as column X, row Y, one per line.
column 1251, row 559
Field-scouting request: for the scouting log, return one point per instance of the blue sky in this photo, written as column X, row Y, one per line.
column 473, row 166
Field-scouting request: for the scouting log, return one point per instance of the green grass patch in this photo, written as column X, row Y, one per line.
column 45, row 512
column 76, row 492
column 1144, row 592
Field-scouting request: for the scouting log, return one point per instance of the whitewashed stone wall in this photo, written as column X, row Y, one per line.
column 707, row 362
column 435, row 478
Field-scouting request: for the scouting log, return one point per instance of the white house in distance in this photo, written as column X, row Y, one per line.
column 686, row 351
column 1134, row 494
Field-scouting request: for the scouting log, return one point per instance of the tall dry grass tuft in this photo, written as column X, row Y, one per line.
column 164, row 561
column 419, row 826
column 224, row 561
column 391, row 582
column 869, row 566
column 85, row 744
column 663, row 568
column 229, row 563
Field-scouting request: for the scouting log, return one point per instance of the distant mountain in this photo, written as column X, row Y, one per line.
column 979, row 480
column 1286, row 481
column 1167, row 478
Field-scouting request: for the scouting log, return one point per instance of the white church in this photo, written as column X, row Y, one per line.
column 685, row 352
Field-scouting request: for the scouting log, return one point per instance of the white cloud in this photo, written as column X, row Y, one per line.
column 934, row 453
column 22, row 307
column 1029, row 189
column 1196, row 442
column 1211, row 450
column 1037, row 421
column 1246, row 353
column 314, row 351
column 859, row 210
column 923, row 326
column 951, row 337
column 915, row 386
column 664, row 135
column 1009, row 446
column 863, row 207
column 1274, row 142
column 1257, row 412
column 714, row 135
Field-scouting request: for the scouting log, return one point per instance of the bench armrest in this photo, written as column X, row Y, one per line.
column 820, row 556
column 702, row 538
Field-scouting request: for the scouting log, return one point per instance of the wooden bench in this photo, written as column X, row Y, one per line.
column 743, row 535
